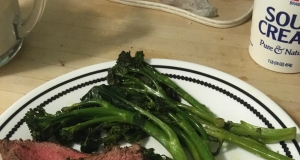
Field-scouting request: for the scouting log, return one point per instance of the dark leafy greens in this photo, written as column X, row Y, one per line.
column 139, row 102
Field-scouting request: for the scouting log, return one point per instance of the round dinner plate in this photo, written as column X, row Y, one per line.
column 228, row 97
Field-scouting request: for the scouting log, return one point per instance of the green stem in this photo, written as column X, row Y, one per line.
column 265, row 135
column 242, row 142
column 85, row 104
column 124, row 116
column 89, row 113
column 135, row 81
column 175, row 150
column 80, row 126
column 198, row 127
column 188, row 142
column 167, row 81
column 192, row 134
column 219, row 122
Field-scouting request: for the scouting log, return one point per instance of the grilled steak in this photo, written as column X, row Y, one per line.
column 117, row 153
column 30, row 150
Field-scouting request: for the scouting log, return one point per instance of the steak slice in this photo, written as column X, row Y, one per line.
column 30, row 150
column 133, row 152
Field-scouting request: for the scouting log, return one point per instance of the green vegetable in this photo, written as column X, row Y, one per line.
column 43, row 125
column 265, row 135
column 139, row 102
column 134, row 74
column 243, row 142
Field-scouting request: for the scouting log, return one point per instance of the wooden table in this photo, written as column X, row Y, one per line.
column 73, row 34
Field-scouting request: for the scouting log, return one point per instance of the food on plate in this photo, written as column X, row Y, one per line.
column 31, row 150
column 138, row 102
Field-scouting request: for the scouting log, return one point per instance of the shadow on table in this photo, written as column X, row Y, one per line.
column 73, row 36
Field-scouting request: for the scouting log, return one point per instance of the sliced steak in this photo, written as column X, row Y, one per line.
column 29, row 150
column 133, row 152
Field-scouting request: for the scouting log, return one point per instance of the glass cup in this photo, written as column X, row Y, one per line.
column 13, row 28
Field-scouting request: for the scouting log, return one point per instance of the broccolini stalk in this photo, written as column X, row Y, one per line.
column 134, row 74
column 68, row 132
column 167, row 81
column 82, row 104
column 47, row 124
column 117, row 97
column 265, row 135
column 255, row 141
column 114, row 115
column 191, row 128
column 198, row 127
column 127, row 65
column 219, row 122
column 245, row 143
column 201, row 144
column 215, row 120
column 192, row 134
column 183, row 117
column 44, row 125
column 183, row 137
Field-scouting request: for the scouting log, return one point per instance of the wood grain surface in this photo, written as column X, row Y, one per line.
column 73, row 34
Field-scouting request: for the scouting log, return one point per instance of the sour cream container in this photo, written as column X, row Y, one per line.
column 275, row 35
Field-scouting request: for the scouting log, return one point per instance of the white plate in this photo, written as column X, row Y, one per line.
column 224, row 94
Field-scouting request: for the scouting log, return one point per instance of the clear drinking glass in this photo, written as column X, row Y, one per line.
column 13, row 28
